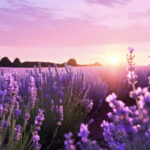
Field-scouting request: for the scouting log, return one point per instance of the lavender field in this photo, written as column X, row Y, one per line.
column 75, row 108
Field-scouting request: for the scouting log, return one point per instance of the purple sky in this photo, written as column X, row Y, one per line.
column 88, row 30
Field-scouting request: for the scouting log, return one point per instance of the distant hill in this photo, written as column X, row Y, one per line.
column 5, row 62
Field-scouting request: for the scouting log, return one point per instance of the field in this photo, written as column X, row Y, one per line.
column 75, row 108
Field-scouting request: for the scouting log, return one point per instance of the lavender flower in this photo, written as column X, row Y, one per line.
column 89, row 105
column 47, row 96
column 36, row 139
column 69, row 142
column 27, row 116
column 60, row 101
column 17, row 111
column 85, row 143
column 32, row 92
column 37, row 126
column 39, row 120
column 90, row 122
column 132, row 78
column 12, row 88
column 111, row 98
column 52, row 105
column 61, row 93
column 61, row 113
column 84, row 132
column 61, row 116
column 131, row 49
column 135, row 93
column 17, row 133
column 1, row 110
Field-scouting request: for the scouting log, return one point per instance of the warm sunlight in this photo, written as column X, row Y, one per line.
column 114, row 60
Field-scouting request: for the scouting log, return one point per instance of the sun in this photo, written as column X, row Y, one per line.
column 114, row 60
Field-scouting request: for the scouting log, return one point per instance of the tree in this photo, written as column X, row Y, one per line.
column 5, row 62
column 16, row 62
column 72, row 62
column 96, row 64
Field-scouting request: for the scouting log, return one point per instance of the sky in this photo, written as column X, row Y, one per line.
column 87, row 30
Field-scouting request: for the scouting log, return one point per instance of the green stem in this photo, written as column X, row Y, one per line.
column 53, row 137
column 136, row 100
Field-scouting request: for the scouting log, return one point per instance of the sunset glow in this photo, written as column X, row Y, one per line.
column 74, row 71
column 114, row 60
column 51, row 30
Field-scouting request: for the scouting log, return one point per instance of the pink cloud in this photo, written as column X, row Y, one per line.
column 108, row 2
column 25, row 26
column 73, row 33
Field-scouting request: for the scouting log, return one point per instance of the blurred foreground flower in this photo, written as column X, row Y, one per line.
column 69, row 143
column 84, row 132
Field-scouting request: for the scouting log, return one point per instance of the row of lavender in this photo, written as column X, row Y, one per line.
column 37, row 108
column 45, row 109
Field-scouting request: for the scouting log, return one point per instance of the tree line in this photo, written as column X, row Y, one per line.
column 5, row 62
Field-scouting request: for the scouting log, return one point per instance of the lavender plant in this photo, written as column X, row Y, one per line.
column 84, row 143
column 129, row 126
column 65, row 102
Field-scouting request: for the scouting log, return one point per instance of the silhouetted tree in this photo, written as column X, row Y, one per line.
column 5, row 62
column 96, row 64
column 72, row 62
column 16, row 62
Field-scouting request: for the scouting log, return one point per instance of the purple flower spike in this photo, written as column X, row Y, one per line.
column 60, row 101
column 52, row 105
column 27, row 116
column 132, row 78
column 17, row 132
column 131, row 50
column 32, row 92
column 1, row 110
column 69, row 142
column 61, row 115
column 17, row 113
column 36, row 139
column 37, row 126
column 39, row 120
column 61, row 112
column 111, row 98
column 84, row 132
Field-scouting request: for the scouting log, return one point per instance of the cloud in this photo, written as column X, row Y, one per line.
column 108, row 2
column 66, row 34
column 80, row 10
column 60, row 24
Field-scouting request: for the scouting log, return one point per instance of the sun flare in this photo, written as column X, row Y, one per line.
column 114, row 60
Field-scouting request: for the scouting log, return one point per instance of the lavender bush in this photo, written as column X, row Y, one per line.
column 84, row 143
column 129, row 128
